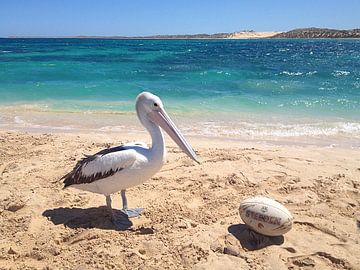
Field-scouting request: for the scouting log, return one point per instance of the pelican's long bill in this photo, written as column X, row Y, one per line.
column 161, row 118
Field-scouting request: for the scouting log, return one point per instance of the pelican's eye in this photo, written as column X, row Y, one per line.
column 155, row 104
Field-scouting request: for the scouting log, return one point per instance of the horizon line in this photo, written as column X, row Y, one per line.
column 173, row 36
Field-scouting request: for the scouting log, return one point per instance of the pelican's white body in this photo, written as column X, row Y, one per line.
column 266, row 216
column 140, row 165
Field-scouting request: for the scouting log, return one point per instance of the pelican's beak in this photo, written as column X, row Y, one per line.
column 161, row 118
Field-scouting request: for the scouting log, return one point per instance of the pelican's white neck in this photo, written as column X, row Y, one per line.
column 158, row 147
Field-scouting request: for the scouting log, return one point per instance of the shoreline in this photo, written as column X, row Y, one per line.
column 253, row 129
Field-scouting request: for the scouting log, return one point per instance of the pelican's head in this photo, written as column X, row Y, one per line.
column 150, row 108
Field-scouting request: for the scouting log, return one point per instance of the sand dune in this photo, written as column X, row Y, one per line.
column 252, row 34
column 191, row 219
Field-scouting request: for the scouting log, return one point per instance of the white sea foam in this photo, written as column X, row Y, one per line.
column 292, row 73
column 281, row 130
column 338, row 73
column 276, row 130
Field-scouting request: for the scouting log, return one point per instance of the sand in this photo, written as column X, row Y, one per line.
column 191, row 218
column 252, row 34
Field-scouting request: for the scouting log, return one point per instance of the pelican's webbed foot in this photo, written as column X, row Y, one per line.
column 132, row 212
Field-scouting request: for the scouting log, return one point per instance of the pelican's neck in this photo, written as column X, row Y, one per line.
column 158, row 148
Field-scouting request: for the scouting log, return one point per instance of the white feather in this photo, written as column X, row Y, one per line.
column 112, row 161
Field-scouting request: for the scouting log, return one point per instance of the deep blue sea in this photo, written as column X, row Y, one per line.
column 269, row 87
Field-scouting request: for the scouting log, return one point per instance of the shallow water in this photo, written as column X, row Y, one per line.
column 248, row 89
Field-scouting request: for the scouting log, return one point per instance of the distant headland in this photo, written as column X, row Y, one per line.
column 245, row 34
column 319, row 33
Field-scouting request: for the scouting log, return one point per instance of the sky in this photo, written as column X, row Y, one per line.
column 153, row 17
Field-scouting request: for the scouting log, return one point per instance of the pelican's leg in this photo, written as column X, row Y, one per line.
column 119, row 222
column 108, row 203
column 132, row 212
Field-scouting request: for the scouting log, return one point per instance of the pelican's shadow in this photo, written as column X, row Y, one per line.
column 252, row 240
column 94, row 217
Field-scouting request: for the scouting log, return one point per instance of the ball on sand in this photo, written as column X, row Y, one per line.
column 266, row 216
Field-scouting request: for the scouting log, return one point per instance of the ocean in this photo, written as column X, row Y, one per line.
column 270, row 90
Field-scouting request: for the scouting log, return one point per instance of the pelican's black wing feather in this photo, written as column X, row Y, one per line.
column 77, row 175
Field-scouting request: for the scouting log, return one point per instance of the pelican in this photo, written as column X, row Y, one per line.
column 121, row 167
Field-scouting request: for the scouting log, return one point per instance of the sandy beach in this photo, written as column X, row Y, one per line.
column 267, row 95
column 252, row 34
column 191, row 218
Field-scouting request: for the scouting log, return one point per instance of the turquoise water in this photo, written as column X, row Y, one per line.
column 297, row 82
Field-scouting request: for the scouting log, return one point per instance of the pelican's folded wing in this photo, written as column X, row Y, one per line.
column 101, row 165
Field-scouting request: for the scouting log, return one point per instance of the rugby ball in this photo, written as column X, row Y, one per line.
column 266, row 216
